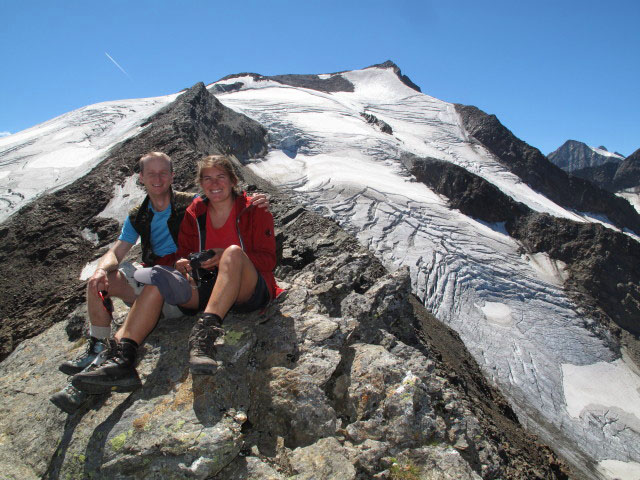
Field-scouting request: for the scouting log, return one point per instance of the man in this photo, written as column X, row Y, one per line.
column 157, row 222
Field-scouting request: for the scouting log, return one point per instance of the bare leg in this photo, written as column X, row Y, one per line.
column 118, row 287
column 143, row 316
column 236, row 282
column 237, row 279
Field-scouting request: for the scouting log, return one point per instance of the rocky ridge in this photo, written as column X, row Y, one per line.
column 346, row 375
column 539, row 173
column 333, row 82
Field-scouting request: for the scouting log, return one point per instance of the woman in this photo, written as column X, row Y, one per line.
column 242, row 240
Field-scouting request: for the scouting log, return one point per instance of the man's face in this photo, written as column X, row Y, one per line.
column 156, row 175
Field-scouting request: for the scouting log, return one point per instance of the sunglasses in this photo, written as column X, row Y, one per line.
column 107, row 303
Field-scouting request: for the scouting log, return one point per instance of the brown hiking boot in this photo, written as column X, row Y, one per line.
column 201, row 344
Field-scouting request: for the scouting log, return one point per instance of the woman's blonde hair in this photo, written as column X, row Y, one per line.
column 222, row 162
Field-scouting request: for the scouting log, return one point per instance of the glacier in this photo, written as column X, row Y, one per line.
column 508, row 307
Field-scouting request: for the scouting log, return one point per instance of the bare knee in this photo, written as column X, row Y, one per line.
column 231, row 257
column 151, row 291
column 233, row 251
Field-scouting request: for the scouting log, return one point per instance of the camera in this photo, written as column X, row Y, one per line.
column 196, row 259
column 198, row 273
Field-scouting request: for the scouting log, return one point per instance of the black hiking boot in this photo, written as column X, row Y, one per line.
column 82, row 361
column 201, row 344
column 116, row 374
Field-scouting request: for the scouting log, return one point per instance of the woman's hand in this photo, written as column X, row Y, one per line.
column 214, row 261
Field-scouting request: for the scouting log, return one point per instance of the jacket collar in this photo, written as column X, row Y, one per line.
column 144, row 206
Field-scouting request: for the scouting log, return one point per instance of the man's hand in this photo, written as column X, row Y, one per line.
column 260, row 200
column 183, row 266
column 98, row 282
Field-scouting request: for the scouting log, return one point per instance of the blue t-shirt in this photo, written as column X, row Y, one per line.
column 161, row 240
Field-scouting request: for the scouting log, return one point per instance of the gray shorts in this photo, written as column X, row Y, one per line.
column 128, row 269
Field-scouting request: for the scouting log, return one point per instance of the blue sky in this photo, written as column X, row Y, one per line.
column 550, row 70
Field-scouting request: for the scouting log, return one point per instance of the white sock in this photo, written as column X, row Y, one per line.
column 101, row 333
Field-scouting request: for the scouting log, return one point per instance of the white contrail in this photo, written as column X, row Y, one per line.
column 116, row 64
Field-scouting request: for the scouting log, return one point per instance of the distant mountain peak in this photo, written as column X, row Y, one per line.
column 574, row 155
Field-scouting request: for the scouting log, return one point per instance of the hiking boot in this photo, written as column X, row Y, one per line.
column 69, row 399
column 116, row 374
column 201, row 344
column 82, row 361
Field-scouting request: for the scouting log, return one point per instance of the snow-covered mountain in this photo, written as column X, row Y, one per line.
column 50, row 155
column 573, row 155
column 509, row 307
column 346, row 145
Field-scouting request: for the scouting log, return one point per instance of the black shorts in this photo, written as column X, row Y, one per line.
column 259, row 299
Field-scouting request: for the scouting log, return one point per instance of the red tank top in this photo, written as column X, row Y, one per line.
column 224, row 236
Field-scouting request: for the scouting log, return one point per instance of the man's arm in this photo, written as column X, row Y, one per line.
column 109, row 262
column 260, row 200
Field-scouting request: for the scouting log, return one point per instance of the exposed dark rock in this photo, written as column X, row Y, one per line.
column 628, row 174
column 614, row 176
column 43, row 250
column 574, row 155
column 602, row 175
column 372, row 119
column 469, row 193
column 335, row 83
column 540, row 174
column 232, row 87
column 603, row 263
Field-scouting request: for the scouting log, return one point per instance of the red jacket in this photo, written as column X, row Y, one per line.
column 255, row 230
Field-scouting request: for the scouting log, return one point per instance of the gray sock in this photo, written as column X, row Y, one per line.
column 101, row 333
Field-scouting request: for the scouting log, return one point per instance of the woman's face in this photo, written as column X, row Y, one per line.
column 216, row 184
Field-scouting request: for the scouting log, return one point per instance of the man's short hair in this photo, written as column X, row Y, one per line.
column 149, row 155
